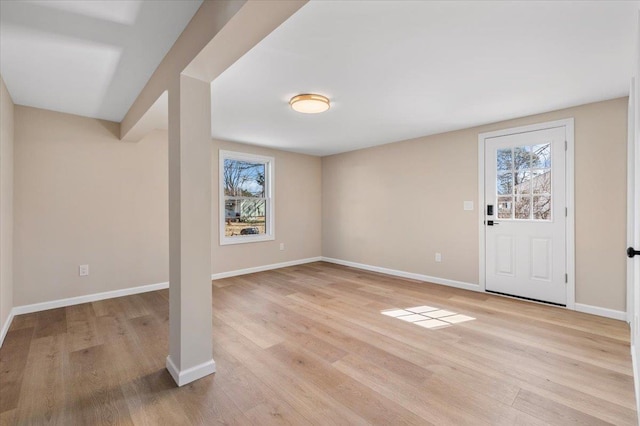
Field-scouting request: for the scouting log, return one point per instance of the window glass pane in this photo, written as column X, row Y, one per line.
column 522, row 182
column 505, row 183
column 505, row 207
column 541, row 181
column 541, row 156
column 244, row 178
column 522, row 208
column 522, row 157
column 504, row 160
column 245, row 216
column 542, row 207
column 246, row 208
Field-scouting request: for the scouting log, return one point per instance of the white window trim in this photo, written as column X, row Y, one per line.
column 269, row 193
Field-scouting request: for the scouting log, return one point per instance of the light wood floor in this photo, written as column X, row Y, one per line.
column 308, row 345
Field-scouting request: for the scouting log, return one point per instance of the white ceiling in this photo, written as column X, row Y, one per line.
column 396, row 70
column 90, row 58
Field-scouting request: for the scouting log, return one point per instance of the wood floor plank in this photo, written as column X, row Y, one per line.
column 274, row 413
column 82, row 330
column 601, row 383
column 467, row 358
column 308, row 345
column 23, row 321
column 552, row 411
column 94, row 388
column 433, row 400
column 205, row 402
column 151, row 334
column 13, row 361
column 7, row 418
column 143, row 385
column 316, row 404
column 44, row 385
column 112, row 327
column 51, row 322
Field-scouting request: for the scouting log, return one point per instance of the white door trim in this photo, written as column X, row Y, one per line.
column 569, row 182
column 631, row 208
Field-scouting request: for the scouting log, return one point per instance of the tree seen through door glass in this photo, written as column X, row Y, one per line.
column 505, row 183
column 542, row 207
column 523, row 171
column 541, row 156
column 504, row 159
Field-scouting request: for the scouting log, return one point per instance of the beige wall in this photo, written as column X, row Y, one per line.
column 396, row 205
column 84, row 197
column 6, row 203
column 297, row 212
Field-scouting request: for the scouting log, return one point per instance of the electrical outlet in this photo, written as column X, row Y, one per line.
column 281, row 246
column 83, row 270
column 438, row 257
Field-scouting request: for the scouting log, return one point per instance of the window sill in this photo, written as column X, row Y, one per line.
column 227, row 241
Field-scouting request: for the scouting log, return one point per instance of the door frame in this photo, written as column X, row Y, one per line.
column 570, row 199
column 631, row 202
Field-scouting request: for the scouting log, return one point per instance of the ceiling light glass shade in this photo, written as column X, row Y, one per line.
column 310, row 103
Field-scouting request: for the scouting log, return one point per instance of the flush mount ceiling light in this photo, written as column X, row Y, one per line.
column 310, row 103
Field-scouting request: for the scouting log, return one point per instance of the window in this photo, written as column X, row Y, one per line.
column 246, row 198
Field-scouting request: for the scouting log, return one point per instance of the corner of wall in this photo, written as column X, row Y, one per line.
column 6, row 209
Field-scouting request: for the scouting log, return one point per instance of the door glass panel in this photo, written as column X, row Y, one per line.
column 522, row 158
column 542, row 207
column 523, row 208
column 505, row 207
column 522, row 172
column 541, row 181
column 541, row 156
column 522, row 182
column 505, row 183
column 504, row 159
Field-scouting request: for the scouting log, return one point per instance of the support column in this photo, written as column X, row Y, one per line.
column 190, row 313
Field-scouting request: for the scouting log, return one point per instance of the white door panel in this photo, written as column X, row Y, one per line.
column 541, row 259
column 526, row 234
column 505, row 255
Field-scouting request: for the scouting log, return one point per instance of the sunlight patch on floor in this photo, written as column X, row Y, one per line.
column 427, row 316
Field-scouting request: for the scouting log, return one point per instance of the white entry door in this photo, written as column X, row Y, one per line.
column 525, row 216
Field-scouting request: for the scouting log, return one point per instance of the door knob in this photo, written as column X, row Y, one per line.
column 631, row 252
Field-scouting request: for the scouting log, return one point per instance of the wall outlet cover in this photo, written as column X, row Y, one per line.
column 83, row 270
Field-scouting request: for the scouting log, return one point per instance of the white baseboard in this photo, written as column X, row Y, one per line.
column 603, row 312
column 594, row 310
column 5, row 327
column 262, row 268
column 36, row 307
column 403, row 274
column 190, row 374
column 61, row 303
